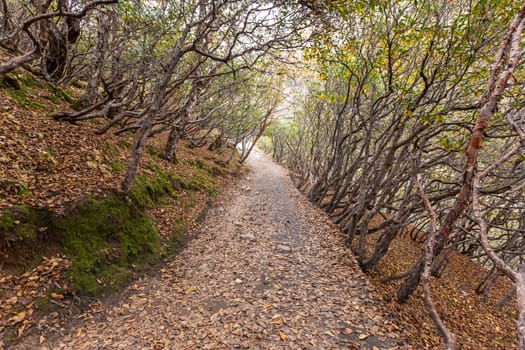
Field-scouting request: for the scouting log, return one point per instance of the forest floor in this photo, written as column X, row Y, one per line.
column 477, row 320
column 265, row 270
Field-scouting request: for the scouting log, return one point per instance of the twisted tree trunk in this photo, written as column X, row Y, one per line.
column 498, row 80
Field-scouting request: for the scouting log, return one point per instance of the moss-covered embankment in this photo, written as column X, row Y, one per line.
column 66, row 233
column 109, row 238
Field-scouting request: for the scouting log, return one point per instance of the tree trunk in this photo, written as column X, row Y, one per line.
column 520, row 297
column 497, row 83
column 59, row 36
column 265, row 124
column 380, row 248
column 101, row 47
column 171, row 145
column 410, row 284
column 440, row 262
column 139, row 141
column 216, row 144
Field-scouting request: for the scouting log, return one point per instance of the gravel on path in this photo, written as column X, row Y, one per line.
column 266, row 270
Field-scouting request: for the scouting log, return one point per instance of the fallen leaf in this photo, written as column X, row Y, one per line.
column 191, row 290
column 56, row 296
column 19, row 317
column 363, row 336
column 12, row 300
column 282, row 336
column 346, row 331
column 20, row 330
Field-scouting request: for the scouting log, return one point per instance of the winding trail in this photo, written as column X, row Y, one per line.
column 265, row 271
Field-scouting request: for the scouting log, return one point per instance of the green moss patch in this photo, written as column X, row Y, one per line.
column 26, row 91
column 150, row 190
column 107, row 240
column 178, row 239
column 124, row 143
column 23, row 226
column 116, row 167
column 59, row 95
column 25, row 99
column 204, row 180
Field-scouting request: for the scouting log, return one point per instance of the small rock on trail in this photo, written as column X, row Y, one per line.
column 281, row 248
column 247, row 237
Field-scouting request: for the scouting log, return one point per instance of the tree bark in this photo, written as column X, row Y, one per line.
column 265, row 124
column 496, row 86
column 520, row 297
column 139, row 141
column 171, row 144
column 101, row 47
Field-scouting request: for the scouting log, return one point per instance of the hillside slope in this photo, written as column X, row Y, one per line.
column 478, row 324
column 65, row 230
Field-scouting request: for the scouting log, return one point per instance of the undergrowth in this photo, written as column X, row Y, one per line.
column 23, row 88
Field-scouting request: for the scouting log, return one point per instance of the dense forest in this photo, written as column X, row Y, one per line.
column 397, row 118
column 416, row 117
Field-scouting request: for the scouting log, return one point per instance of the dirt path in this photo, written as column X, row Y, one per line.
column 266, row 271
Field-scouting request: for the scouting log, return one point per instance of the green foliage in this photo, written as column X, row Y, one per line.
column 250, row 101
column 147, row 41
